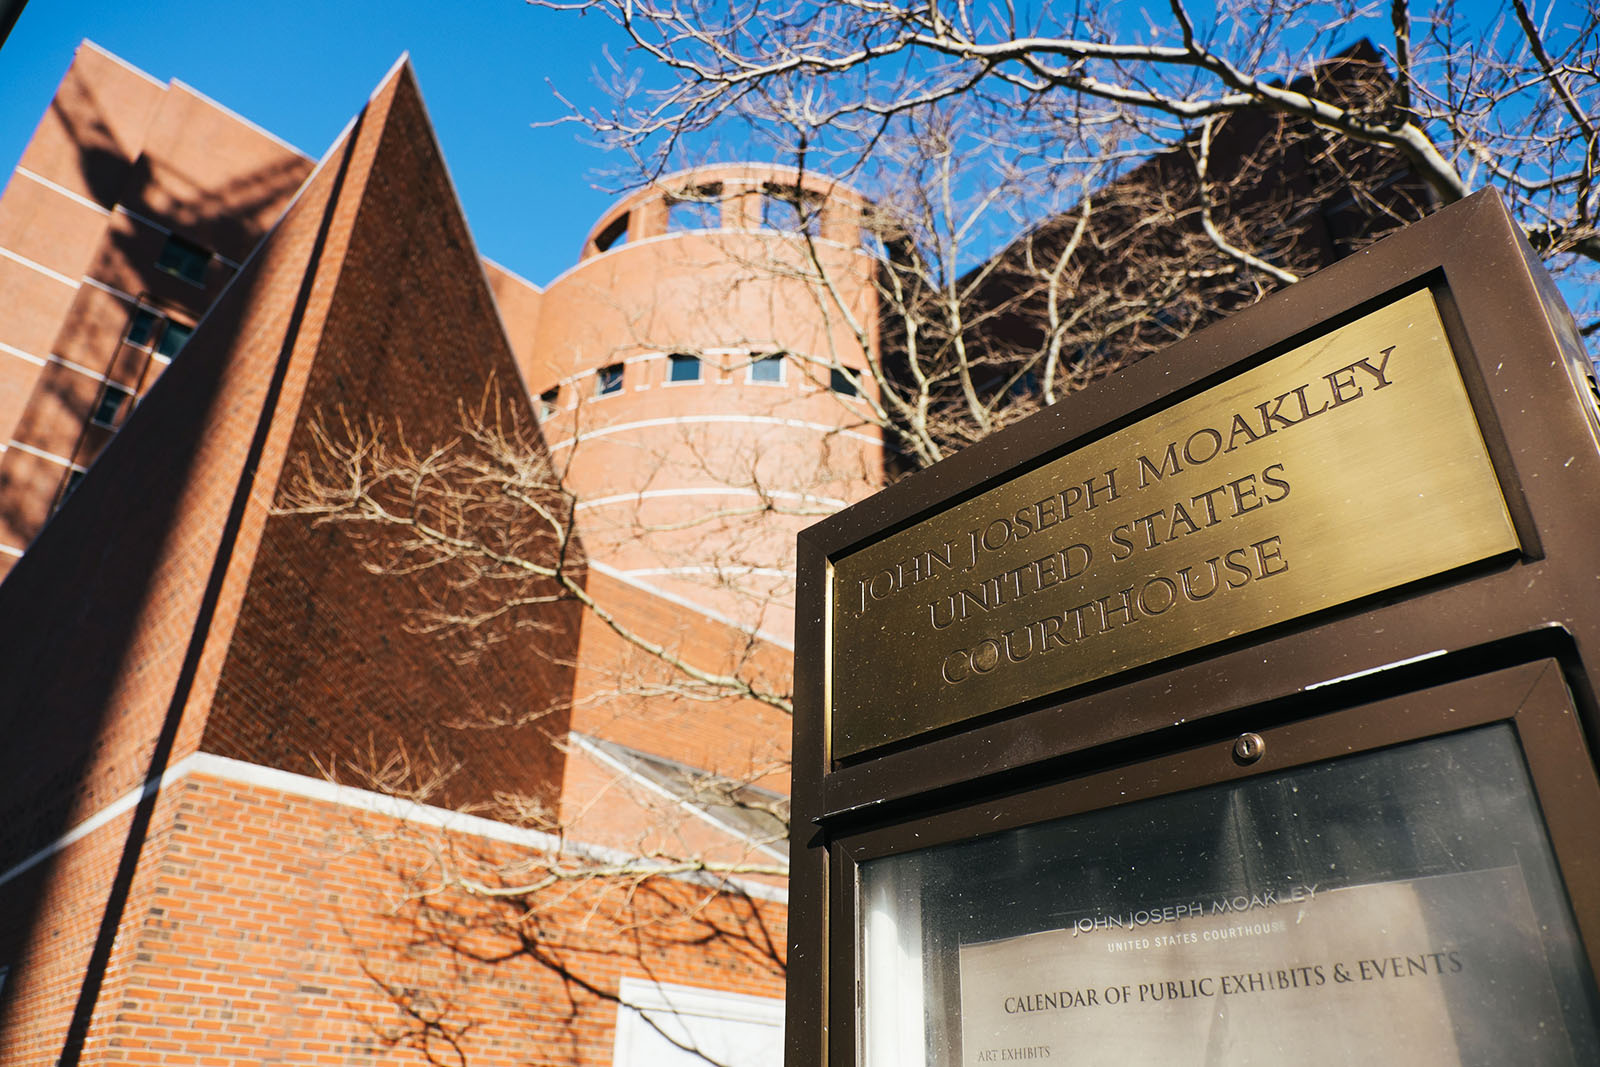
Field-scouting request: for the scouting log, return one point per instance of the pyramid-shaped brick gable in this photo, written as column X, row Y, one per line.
column 168, row 594
column 407, row 330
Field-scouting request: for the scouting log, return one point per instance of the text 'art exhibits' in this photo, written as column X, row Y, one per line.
column 1238, row 710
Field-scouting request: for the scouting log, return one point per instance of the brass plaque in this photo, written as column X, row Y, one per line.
column 1345, row 467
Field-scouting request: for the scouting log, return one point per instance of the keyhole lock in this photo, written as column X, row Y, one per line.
column 1249, row 748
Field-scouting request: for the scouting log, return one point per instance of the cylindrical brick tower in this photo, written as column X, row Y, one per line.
column 703, row 389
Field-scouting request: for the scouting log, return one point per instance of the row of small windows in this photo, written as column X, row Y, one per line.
column 148, row 329
column 153, row 330
column 684, row 368
column 787, row 208
column 783, row 207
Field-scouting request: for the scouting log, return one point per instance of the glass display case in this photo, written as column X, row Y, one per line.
column 1402, row 903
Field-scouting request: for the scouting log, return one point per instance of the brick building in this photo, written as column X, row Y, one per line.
column 224, row 838
column 203, row 691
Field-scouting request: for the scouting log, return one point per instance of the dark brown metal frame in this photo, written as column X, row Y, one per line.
column 1335, row 679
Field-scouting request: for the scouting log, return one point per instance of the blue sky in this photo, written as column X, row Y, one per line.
column 302, row 69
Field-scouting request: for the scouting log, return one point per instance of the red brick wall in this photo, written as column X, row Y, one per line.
column 85, row 144
column 119, row 624
column 272, row 925
column 48, row 948
column 97, row 620
column 519, row 301
column 322, row 661
column 126, row 160
column 625, row 694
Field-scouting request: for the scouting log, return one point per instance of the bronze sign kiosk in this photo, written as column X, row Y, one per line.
column 1238, row 710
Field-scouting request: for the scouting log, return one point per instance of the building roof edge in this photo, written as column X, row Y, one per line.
column 123, row 63
column 231, row 113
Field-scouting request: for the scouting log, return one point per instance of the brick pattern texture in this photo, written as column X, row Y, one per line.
column 168, row 595
column 118, row 162
column 170, row 618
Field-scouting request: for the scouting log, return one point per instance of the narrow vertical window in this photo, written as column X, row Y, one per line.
column 112, row 408
column 547, row 402
column 143, row 326
column 173, row 339
column 74, row 476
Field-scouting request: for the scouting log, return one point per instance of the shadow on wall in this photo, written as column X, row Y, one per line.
column 102, row 624
column 560, row 953
column 230, row 217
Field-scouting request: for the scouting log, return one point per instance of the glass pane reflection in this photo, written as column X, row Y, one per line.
column 1402, row 902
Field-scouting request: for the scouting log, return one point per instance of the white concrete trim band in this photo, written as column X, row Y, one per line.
column 12, row 350
column 113, row 290
column 55, row 275
column 685, row 602
column 652, row 494
column 659, row 572
column 77, row 198
column 686, row 420
column 62, row 461
column 243, row 773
